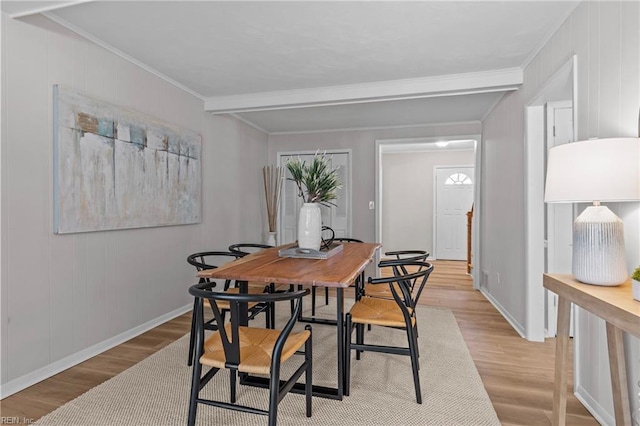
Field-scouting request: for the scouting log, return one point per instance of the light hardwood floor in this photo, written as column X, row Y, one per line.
column 517, row 374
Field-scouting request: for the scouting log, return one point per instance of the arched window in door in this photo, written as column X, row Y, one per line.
column 458, row 179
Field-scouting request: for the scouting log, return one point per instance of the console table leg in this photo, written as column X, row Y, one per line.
column 618, row 368
column 562, row 346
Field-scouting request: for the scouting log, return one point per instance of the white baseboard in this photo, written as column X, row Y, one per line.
column 56, row 367
column 597, row 411
column 514, row 323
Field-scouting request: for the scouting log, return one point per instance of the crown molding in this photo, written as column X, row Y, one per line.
column 492, row 107
column 447, row 85
column 28, row 8
column 248, row 123
column 55, row 18
column 545, row 40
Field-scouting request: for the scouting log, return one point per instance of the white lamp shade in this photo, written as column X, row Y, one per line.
column 594, row 170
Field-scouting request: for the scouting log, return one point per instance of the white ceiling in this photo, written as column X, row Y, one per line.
column 366, row 64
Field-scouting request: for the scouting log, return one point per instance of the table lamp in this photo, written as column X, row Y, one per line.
column 600, row 170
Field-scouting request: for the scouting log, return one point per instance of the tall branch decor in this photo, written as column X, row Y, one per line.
column 272, row 177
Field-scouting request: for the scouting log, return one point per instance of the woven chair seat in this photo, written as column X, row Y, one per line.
column 376, row 311
column 225, row 305
column 256, row 347
column 381, row 291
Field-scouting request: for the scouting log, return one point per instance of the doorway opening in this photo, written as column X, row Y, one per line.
column 405, row 199
column 546, row 246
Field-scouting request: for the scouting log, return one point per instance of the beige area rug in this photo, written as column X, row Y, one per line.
column 156, row 390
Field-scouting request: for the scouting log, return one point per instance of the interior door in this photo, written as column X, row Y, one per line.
column 337, row 217
column 559, row 216
column 454, row 197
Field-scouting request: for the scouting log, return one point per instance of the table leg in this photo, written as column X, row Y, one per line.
column 319, row 391
column 618, row 368
column 562, row 344
column 312, row 319
column 243, row 307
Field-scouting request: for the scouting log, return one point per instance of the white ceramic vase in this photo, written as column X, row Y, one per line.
column 635, row 291
column 271, row 239
column 598, row 248
column 310, row 226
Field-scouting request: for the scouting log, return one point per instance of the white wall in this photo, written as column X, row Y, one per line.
column 362, row 144
column 66, row 296
column 502, row 230
column 408, row 195
column 605, row 36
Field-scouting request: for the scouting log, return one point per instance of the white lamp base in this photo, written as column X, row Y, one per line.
column 598, row 248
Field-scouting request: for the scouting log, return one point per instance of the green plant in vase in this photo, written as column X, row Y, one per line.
column 635, row 283
column 317, row 184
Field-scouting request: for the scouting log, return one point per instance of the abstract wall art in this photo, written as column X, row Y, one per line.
column 118, row 169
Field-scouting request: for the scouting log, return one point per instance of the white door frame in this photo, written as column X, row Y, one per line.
column 534, row 193
column 387, row 143
column 551, row 298
column 279, row 163
column 435, row 203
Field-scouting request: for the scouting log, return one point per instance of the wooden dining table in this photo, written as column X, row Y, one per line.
column 339, row 271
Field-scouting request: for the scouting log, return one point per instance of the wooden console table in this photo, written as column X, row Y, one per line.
column 621, row 313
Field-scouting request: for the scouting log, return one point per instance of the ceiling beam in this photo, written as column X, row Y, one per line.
column 447, row 85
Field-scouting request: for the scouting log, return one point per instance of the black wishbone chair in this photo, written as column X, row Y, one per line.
column 383, row 291
column 244, row 249
column 398, row 312
column 211, row 260
column 248, row 350
column 401, row 255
